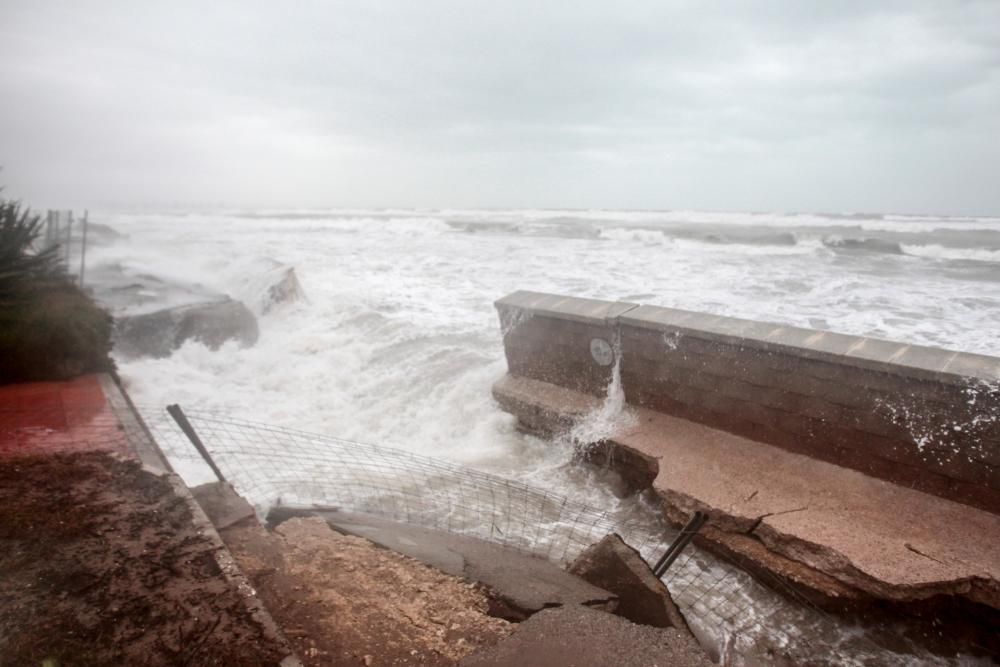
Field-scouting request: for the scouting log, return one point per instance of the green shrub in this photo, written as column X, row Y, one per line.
column 50, row 329
column 56, row 335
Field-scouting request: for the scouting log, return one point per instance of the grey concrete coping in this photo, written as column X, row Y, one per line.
column 135, row 428
column 927, row 363
column 596, row 311
column 918, row 361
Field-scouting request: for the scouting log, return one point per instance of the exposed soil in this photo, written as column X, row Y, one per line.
column 101, row 565
column 343, row 601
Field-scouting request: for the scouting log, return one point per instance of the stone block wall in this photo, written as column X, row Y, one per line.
column 913, row 415
column 547, row 337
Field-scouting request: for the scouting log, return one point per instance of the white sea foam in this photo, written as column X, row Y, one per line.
column 399, row 342
column 636, row 234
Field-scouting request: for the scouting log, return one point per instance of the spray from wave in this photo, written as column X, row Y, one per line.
column 612, row 416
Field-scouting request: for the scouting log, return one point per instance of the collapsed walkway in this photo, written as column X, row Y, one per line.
column 835, row 532
column 351, row 588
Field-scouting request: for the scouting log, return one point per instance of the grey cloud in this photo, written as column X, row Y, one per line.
column 787, row 105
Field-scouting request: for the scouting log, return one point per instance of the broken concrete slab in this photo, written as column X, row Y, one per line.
column 635, row 469
column 618, row 568
column 542, row 408
column 582, row 637
column 526, row 584
column 267, row 285
column 886, row 540
column 159, row 333
column 838, row 532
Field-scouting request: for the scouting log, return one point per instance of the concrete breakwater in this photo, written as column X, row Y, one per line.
column 854, row 468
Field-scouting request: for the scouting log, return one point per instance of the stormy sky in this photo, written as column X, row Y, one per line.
column 763, row 106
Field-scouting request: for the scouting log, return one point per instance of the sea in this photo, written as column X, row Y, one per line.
column 397, row 342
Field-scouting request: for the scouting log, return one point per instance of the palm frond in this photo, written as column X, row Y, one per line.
column 24, row 266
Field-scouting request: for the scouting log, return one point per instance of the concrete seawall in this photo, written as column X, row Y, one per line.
column 851, row 468
column 920, row 417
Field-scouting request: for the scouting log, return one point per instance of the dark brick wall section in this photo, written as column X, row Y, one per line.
column 547, row 337
column 920, row 416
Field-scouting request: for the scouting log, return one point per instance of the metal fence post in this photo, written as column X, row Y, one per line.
column 69, row 237
column 50, row 230
column 182, row 421
column 83, row 246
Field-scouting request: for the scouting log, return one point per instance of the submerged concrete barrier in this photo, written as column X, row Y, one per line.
column 917, row 416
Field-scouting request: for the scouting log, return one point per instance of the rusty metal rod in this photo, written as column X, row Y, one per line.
column 683, row 538
column 182, row 421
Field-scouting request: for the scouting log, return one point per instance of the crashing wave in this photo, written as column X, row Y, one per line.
column 935, row 251
column 863, row 245
column 268, row 285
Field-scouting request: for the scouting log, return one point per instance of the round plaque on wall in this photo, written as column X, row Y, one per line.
column 601, row 351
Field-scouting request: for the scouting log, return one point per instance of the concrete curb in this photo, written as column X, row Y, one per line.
column 153, row 459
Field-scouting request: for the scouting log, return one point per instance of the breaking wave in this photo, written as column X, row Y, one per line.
column 934, row 251
column 872, row 245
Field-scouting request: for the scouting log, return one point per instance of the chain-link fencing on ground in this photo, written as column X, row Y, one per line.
column 725, row 606
column 273, row 466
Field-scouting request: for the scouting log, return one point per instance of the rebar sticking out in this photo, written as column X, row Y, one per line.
column 683, row 538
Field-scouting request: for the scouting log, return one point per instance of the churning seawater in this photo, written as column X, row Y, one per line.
column 399, row 343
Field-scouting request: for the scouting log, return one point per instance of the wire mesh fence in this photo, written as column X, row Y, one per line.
column 68, row 232
column 724, row 605
column 273, row 466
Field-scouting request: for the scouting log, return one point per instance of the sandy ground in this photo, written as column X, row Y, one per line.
column 100, row 565
column 343, row 601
